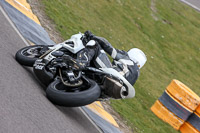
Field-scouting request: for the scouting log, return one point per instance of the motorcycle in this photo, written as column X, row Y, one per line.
column 66, row 84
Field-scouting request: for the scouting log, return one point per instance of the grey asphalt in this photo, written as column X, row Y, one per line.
column 24, row 107
column 193, row 3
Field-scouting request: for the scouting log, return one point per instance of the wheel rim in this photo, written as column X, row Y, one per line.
column 61, row 87
column 32, row 52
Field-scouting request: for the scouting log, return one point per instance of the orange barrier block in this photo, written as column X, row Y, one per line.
column 187, row 128
column 183, row 94
column 163, row 113
column 194, row 120
column 175, row 106
column 198, row 110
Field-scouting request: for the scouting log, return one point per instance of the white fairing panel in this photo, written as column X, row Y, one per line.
column 77, row 43
column 130, row 88
column 91, row 43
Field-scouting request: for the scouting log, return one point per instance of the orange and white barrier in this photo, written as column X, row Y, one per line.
column 179, row 106
column 198, row 110
column 164, row 114
column 184, row 94
column 187, row 128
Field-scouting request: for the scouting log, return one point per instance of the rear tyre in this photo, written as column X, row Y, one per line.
column 59, row 94
column 28, row 55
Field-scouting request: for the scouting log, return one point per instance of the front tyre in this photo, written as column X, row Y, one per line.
column 28, row 55
column 59, row 94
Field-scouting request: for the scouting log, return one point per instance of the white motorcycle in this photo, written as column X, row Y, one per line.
column 68, row 86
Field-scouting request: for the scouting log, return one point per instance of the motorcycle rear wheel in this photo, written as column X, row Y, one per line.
column 57, row 96
column 28, row 55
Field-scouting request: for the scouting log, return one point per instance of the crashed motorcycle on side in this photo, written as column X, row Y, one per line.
column 66, row 84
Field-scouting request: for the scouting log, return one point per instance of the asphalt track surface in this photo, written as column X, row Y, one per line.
column 24, row 107
column 193, row 3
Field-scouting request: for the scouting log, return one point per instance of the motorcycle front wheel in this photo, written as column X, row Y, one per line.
column 28, row 55
column 59, row 94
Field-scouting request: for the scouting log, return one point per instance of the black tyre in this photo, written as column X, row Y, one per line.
column 58, row 96
column 28, row 55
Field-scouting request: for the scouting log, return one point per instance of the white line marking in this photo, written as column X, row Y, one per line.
column 186, row 2
column 22, row 5
column 88, row 117
column 13, row 25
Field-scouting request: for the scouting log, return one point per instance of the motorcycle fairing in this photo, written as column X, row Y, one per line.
column 76, row 43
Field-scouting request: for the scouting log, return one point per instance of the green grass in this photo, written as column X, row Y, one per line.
column 172, row 46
